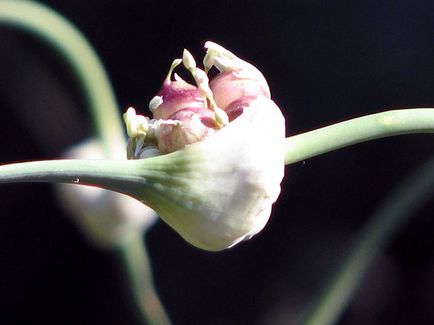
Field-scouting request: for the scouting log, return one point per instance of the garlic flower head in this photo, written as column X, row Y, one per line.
column 222, row 147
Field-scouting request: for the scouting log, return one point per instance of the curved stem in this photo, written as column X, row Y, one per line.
column 136, row 262
column 384, row 224
column 369, row 127
column 76, row 50
column 45, row 23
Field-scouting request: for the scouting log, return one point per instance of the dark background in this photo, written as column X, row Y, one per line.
column 325, row 61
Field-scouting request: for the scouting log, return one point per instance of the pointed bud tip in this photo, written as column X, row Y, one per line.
column 188, row 60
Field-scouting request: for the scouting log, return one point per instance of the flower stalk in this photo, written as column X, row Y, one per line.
column 137, row 266
column 361, row 129
column 391, row 216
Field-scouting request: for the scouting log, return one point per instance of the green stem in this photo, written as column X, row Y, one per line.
column 136, row 262
column 66, row 171
column 124, row 176
column 361, row 129
column 45, row 23
column 384, row 224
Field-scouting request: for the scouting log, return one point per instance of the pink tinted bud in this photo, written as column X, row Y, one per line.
column 238, row 80
column 184, row 113
column 196, row 124
column 177, row 95
column 230, row 86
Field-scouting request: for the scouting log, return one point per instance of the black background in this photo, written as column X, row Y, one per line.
column 325, row 61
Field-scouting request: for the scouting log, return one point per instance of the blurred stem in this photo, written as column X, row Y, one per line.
column 383, row 225
column 361, row 129
column 136, row 262
column 63, row 36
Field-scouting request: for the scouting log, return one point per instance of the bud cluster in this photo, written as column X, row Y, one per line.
column 184, row 113
column 226, row 137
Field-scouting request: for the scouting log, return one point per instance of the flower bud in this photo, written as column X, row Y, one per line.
column 107, row 218
column 174, row 96
column 219, row 191
column 196, row 124
column 217, row 186
column 236, row 81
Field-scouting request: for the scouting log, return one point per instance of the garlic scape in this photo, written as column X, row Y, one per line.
column 211, row 169
column 212, row 179
column 214, row 193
